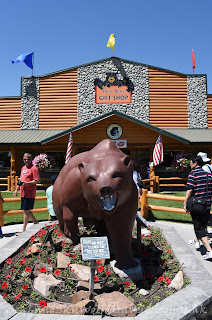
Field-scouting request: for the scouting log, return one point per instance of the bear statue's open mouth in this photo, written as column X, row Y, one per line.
column 108, row 202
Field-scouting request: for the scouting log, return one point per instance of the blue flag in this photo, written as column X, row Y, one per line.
column 26, row 58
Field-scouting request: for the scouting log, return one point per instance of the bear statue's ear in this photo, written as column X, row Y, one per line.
column 81, row 166
column 126, row 160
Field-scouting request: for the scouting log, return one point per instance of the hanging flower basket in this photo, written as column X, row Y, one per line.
column 181, row 161
column 43, row 161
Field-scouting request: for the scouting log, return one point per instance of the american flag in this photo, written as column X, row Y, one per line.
column 158, row 152
column 69, row 148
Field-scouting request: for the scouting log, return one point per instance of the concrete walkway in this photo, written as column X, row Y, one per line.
column 185, row 231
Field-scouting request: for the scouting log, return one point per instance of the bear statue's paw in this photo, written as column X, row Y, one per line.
column 135, row 273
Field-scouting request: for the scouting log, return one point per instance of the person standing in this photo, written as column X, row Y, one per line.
column 49, row 198
column 197, row 186
column 28, row 179
column 206, row 162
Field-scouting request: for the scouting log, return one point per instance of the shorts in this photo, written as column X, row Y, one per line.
column 27, row 203
column 200, row 223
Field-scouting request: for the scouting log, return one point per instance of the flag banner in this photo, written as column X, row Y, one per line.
column 111, row 41
column 158, row 152
column 26, row 58
column 193, row 61
column 69, row 148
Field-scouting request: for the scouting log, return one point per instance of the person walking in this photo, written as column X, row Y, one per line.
column 49, row 198
column 208, row 168
column 196, row 186
column 27, row 185
column 2, row 200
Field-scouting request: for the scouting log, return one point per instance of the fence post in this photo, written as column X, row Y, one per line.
column 1, row 214
column 152, row 183
column 157, row 184
column 143, row 200
column 9, row 183
column 16, row 180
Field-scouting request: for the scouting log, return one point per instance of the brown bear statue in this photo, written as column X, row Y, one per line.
column 99, row 184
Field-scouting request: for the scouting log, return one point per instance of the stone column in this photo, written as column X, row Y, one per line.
column 30, row 103
column 197, row 102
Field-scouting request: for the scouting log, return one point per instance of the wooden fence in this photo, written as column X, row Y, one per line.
column 14, row 212
column 143, row 199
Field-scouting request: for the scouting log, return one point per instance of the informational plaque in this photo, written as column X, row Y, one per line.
column 94, row 248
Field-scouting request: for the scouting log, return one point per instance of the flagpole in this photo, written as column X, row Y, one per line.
column 32, row 63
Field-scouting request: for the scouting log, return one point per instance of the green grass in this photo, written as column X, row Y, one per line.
column 153, row 215
column 18, row 218
column 169, row 216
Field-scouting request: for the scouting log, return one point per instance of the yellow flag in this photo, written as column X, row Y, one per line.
column 111, row 41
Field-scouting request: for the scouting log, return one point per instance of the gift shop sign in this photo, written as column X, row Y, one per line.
column 113, row 94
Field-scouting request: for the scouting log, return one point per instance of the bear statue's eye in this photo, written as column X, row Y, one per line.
column 90, row 179
column 117, row 175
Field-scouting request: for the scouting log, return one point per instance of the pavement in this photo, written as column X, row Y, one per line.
column 185, row 231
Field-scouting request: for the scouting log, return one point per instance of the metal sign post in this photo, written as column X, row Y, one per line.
column 94, row 248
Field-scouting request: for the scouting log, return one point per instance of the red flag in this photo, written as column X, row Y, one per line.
column 158, row 152
column 193, row 60
column 69, row 148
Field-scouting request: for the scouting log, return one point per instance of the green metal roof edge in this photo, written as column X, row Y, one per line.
column 123, row 115
column 56, row 136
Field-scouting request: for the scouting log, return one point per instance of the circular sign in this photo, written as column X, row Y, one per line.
column 114, row 131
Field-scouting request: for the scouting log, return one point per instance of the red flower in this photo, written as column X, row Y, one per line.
column 43, row 231
column 42, row 269
column 107, row 273
column 12, row 270
column 67, row 253
column 9, row 261
column 145, row 254
column 25, row 286
column 23, row 260
column 4, row 285
column 127, row 283
column 38, row 250
column 32, row 239
column 163, row 262
column 96, row 278
column 59, row 234
column 100, row 268
column 4, row 295
column 40, row 234
column 149, row 236
column 18, row 296
column 8, row 276
column 169, row 251
column 149, row 275
column 55, row 230
column 22, row 249
column 168, row 281
column 57, row 272
column 98, row 261
column 68, row 264
column 28, row 269
column 73, row 255
column 42, row 303
column 160, row 279
column 63, row 245
column 143, row 235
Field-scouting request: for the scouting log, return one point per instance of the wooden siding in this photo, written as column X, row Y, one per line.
column 135, row 134
column 58, row 100
column 209, row 106
column 167, row 99
column 10, row 113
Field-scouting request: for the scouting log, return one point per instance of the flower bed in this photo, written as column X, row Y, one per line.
column 17, row 272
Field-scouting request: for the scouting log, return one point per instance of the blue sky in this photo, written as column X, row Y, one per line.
column 68, row 33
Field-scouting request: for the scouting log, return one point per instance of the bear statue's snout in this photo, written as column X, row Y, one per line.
column 106, row 191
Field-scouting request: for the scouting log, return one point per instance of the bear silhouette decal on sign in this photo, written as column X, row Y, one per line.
column 113, row 90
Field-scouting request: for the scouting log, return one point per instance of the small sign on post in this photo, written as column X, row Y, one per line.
column 94, row 248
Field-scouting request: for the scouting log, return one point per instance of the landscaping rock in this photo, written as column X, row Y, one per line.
column 80, row 308
column 82, row 272
column 116, row 304
column 77, row 248
column 81, row 295
column 177, row 282
column 126, row 274
column 62, row 260
column 31, row 250
column 44, row 282
column 145, row 231
column 143, row 292
column 83, row 285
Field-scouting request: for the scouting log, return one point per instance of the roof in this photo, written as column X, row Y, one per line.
column 38, row 137
column 193, row 135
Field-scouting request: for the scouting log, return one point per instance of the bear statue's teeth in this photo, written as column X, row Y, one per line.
column 108, row 202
